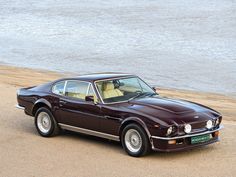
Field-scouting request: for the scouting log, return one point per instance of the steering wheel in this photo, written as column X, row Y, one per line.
column 116, row 84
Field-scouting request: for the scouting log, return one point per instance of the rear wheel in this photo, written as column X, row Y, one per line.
column 135, row 141
column 45, row 123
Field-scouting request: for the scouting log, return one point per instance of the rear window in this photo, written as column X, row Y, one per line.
column 58, row 88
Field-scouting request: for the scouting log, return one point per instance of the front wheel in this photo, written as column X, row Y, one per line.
column 45, row 123
column 135, row 141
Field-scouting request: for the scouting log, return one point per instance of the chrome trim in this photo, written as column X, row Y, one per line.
column 20, row 107
column 89, row 132
column 187, row 136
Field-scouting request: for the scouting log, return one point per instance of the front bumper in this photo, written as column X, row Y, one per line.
column 182, row 142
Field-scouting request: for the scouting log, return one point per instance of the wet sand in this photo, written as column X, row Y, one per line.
column 24, row 153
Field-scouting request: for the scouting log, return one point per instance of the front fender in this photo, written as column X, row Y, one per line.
column 138, row 121
column 141, row 123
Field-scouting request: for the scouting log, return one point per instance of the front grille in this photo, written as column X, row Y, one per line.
column 198, row 127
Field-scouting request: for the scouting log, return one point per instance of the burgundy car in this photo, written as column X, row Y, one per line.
column 120, row 107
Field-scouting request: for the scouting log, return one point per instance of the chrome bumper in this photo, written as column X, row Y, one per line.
column 187, row 136
column 20, row 107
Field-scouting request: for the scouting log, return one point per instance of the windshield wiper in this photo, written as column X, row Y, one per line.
column 143, row 94
column 151, row 94
column 139, row 95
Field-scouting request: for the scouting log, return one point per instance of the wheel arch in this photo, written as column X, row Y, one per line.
column 40, row 103
column 136, row 121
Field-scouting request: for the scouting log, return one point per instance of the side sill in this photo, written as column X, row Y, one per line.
column 89, row 132
column 20, row 107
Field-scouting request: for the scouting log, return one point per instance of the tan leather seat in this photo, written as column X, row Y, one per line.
column 76, row 95
column 109, row 90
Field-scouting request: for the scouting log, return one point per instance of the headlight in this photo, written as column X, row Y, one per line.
column 187, row 128
column 169, row 131
column 209, row 124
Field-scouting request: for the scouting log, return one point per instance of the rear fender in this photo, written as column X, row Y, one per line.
column 40, row 101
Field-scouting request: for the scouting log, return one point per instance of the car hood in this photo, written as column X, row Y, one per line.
column 172, row 110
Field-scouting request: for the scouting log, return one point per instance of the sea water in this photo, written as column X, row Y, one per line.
column 184, row 44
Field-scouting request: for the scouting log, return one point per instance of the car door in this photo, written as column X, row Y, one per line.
column 73, row 108
column 111, row 115
column 112, row 118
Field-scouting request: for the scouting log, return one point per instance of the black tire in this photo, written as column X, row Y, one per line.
column 145, row 145
column 53, row 128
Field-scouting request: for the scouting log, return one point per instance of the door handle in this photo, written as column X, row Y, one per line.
column 62, row 102
column 113, row 118
column 107, row 117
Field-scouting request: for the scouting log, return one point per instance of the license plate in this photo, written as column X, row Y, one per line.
column 200, row 139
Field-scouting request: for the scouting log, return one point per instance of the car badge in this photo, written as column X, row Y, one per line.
column 196, row 117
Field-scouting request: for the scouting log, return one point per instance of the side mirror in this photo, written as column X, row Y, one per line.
column 89, row 98
column 155, row 89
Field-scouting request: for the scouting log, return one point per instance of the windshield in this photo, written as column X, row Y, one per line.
column 123, row 89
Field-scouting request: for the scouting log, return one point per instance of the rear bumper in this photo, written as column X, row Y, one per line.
column 20, row 107
column 182, row 142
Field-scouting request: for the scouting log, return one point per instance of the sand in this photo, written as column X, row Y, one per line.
column 24, row 153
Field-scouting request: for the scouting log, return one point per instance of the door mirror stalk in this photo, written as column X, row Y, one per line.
column 155, row 90
column 90, row 98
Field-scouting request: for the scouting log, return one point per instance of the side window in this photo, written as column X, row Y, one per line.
column 58, row 88
column 76, row 89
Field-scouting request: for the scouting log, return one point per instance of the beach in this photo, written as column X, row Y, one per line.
column 24, row 153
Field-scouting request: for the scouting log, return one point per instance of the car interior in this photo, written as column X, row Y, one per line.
column 114, row 89
column 109, row 90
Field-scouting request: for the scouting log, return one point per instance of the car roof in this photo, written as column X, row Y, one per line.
column 100, row 76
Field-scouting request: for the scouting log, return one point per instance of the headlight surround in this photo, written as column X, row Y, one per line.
column 169, row 131
column 209, row 124
column 187, row 128
column 217, row 121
